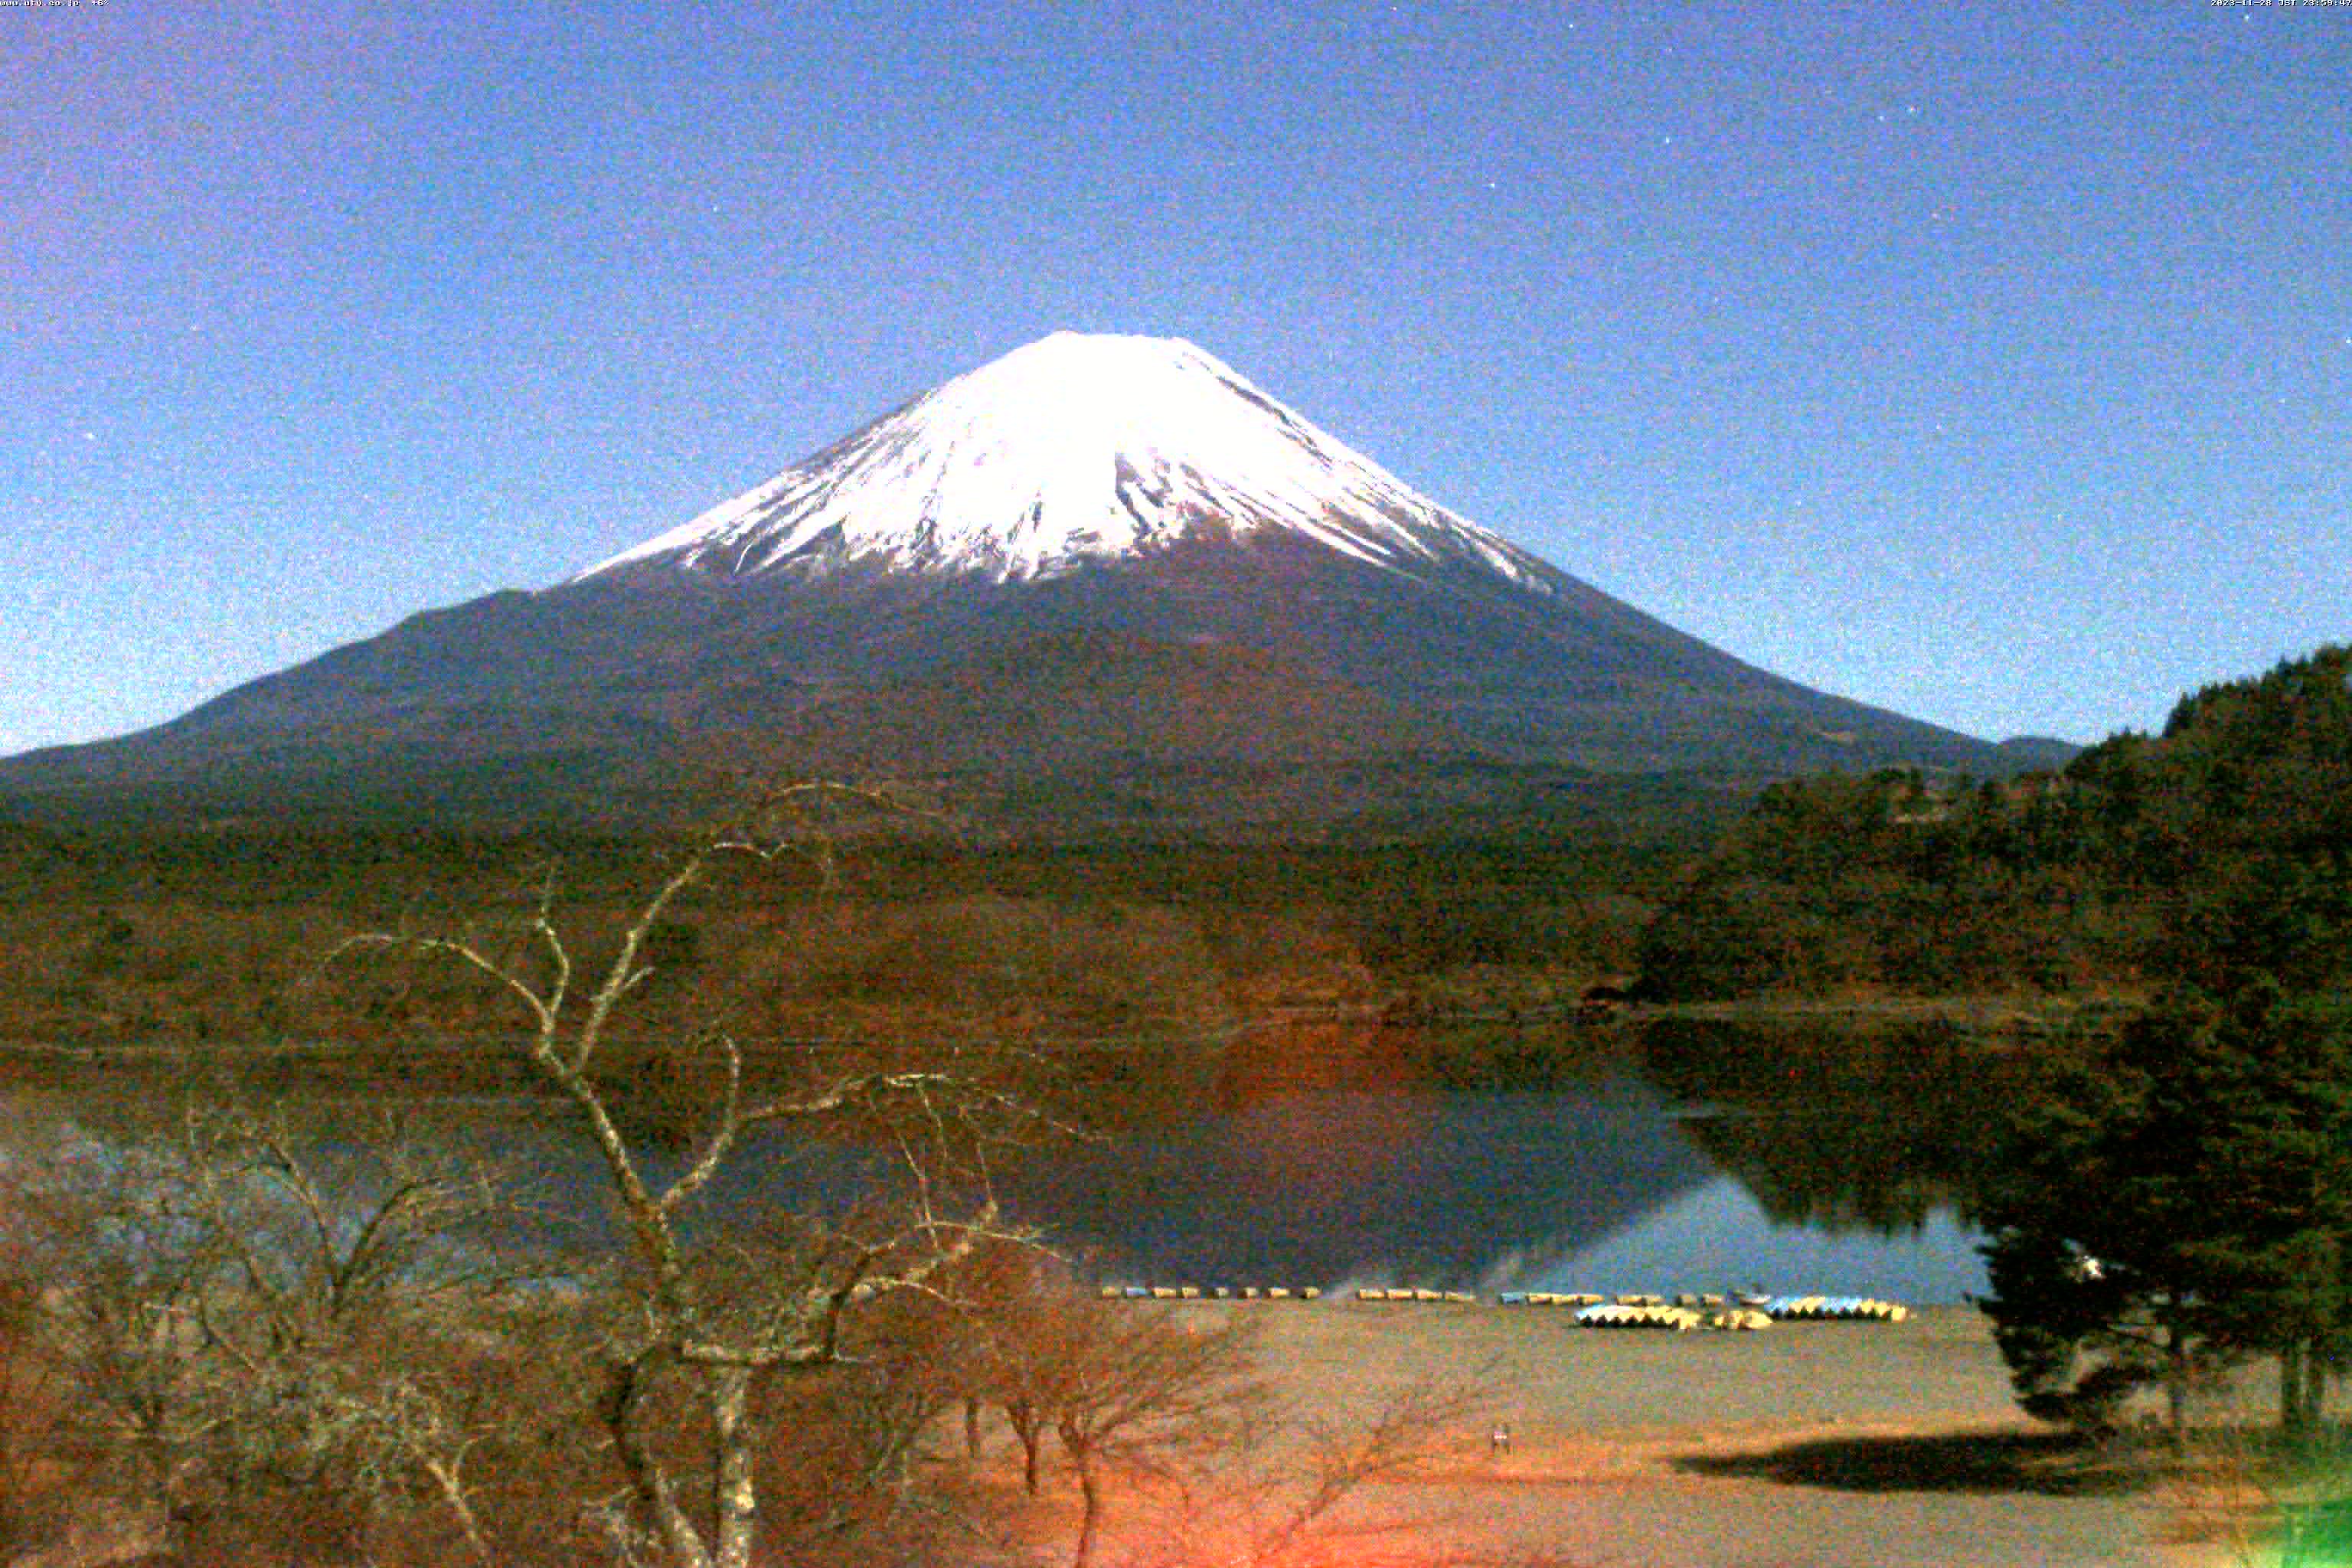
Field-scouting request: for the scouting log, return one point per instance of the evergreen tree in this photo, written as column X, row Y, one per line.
column 2092, row 1295
column 2204, row 1158
column 2179, row 1200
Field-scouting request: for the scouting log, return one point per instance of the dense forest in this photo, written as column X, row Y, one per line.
column 2145, row 858
column 172, row 939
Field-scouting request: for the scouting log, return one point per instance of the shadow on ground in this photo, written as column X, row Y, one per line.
column 2046, row 1465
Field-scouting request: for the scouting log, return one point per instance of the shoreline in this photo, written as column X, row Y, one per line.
column 1992, row 1014
column 1856, row 1445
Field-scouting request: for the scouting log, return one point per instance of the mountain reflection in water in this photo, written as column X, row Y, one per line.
column 1419, row 1187
column 1700, row 1158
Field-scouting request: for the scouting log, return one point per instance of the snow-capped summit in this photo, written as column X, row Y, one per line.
column 1073, row 447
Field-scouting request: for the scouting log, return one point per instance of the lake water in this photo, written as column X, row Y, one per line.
column 1548, row 1158
column 1603, row 1190
column 1698, row 1160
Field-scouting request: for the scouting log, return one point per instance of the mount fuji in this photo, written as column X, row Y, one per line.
column 1099, row 581
column 1076, row 451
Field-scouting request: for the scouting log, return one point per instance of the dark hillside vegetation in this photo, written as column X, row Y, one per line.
column 170, row 938
column 2145, row 858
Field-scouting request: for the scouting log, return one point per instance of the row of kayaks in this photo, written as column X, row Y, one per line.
column 1779, row 1309
column 1844, row 1309
column 1210, row 1293
column 1813, row 1309
column 1684, row 1311
column 1680, row 1320
column 1743, row 1311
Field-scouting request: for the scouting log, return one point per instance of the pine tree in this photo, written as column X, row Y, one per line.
column 2190, row 1186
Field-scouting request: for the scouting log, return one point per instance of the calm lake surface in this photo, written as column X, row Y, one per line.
column 1525, row 1157
column 1671, row 1159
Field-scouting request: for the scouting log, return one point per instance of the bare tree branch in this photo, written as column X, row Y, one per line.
column 707, row 1321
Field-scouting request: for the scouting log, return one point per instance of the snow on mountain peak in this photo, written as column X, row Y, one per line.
column 1072, row 447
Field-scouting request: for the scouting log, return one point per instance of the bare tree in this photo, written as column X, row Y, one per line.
column 1421, row 1424
column 706, row 1317
column 1124, row 1388
column 1280, row 1501
column 28, row 1424
column 126, row 1263
column 1136, row 1390
column 253, row 1313
column 1007, row 1307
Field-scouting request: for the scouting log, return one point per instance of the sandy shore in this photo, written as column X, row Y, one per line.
column 1805, row 1446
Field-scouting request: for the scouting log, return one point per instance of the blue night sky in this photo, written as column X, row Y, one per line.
column 1990, row 362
